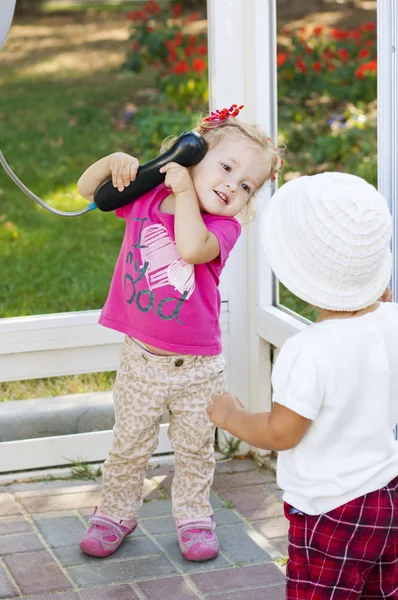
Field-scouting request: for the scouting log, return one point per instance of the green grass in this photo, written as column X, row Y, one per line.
column 54, row 123
column 57, row 386
column 51, row 131
column 52, row 6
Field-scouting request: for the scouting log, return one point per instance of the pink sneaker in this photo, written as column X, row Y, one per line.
column 197, row 539
column 104, row 535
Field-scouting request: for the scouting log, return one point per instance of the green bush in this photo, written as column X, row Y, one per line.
column 322, row 60
column 159, row 39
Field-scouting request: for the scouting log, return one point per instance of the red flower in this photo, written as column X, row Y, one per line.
column 317, row 67
column 366, row 68
column 339, row 34
column 188, row 51
column 364, row 53
column 177, row 10
column 356, row 34
column 202, row 50
column 282, row 57
column 136, row 15
column 331, row 67
column 178, row 38
column 344, row 55
column 368, row 26
column 171, row 49
column 199, row 65
column 301, row 66
column 319, row 29
column 181, row 67
column 152, row 7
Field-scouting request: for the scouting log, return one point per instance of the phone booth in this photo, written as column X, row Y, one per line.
column 242, row 70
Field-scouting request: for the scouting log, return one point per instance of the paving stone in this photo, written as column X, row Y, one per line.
column 131, row 548
column 154, row 471
column 69, row 501
column 7, row 589
column 15, row 544
column 15, row 524
column 62, row 596
column 164, row 480
column 171, row 548
column 159, row 525
column 272, row 528
column 263, row 593
column 215, row 501
column 149, row 491
column 105, row 573
column 60, row 531
column 244, row 479
column 274, row 489
column 8, row 506
column 238, row 578
column 82, row 488
column 48, row 485
column 253, row 503
column 281, row 544
column 172, row 588
column 226, row 516
column 37, row 572
column 238, row 546
column 156, row 508
column 236, row 466
column 117, row 592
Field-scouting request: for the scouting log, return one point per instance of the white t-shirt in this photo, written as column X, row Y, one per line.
column 343, row 375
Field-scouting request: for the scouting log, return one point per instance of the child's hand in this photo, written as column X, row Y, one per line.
column 387, row 296
column 221, row 408
column 123, row 169
column 177, row 178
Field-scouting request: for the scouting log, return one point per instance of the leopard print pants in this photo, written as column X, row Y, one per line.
column 146, row 384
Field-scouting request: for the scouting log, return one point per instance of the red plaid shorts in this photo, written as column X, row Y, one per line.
column 348, row 553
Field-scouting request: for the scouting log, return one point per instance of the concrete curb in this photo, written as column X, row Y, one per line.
column 62, row 415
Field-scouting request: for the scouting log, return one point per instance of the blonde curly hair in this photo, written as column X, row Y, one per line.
column 214, row 131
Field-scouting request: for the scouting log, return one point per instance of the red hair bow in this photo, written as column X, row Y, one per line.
column 224, row 113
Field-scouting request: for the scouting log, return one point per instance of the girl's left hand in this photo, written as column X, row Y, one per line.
column 221, row 408
column 177, row 178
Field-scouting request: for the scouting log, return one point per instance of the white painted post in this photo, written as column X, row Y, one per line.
column 387, row 119
column 242, row 53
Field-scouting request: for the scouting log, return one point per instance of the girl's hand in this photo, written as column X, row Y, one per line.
column 177, row 178
column 123, row 169
column 387, row 296
column 221, row 408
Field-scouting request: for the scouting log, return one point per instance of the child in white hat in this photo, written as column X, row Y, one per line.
column 335, row 390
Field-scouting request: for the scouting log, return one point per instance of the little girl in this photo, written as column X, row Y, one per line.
column 164, row 297
column 335, row 390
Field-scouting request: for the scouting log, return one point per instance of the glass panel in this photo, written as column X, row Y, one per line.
column 327, row 106
column 80, row 80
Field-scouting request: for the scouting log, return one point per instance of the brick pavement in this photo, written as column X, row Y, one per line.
column 41, row 524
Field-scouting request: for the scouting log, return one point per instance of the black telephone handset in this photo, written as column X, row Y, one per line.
column 188, row 150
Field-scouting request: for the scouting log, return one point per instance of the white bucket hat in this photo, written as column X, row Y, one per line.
column 327, row 239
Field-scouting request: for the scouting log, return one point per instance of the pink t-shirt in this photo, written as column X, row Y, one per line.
column 155, row 296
